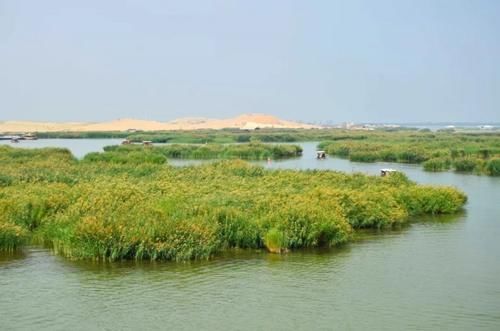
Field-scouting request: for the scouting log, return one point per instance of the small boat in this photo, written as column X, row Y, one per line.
column 29, row 136
column 10, row 137
column 385, row 172
column 320, row 155
column 14, row 140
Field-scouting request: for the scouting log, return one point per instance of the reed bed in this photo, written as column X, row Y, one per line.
column 470, row 153
column 207, row 136
column 244, row 151
column 102, row 209
column 12, row 236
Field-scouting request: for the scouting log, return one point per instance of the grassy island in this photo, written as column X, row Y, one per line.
column 463, row 150
column 477, row 153
column 139, row 208
column 245, row 151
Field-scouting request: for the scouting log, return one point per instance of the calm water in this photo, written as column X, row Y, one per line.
column 79, row 147
column 441, row 273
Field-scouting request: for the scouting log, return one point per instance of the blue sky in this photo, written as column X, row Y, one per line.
column 362, row 61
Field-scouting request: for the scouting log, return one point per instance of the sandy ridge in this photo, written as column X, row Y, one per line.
column 245, row 121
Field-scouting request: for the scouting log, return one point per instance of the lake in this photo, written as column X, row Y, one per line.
column 79, row 147
column 436, row 273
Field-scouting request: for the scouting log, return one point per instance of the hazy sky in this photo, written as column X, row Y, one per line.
column 385, row 61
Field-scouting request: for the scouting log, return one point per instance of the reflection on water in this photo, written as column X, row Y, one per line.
column 436, row 273
column 10, row 258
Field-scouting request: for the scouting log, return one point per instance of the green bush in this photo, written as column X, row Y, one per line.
column 363, row 157
column 493, row 167
column 12, row 236
column 437, row 164
column 5, row 180
column 464, row 165
column 420, row 200
column 275, row 241
column 410, row 156
column 133, row 157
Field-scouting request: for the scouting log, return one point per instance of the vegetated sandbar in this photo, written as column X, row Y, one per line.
column 477, row 153
column 463, row 150
column 245, row 151
column 141, row 208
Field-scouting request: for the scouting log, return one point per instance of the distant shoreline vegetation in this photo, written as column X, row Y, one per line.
column 145, row 210
column 204, row 136
column 229, row 135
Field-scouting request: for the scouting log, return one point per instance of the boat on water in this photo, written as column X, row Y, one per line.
column 12, row 138
column 29, row 136
column 387, row 171
column 17, row 138
column 320, row 155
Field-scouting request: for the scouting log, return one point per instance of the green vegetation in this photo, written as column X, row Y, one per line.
column 437, row 164
column 218, row 136
column 246, row 151
column 466, row 164
column 137, row 207
column 275, row 241
column 127, row 155
column 12, row 236
column 457, row 149
column 440, row 151
column 493, row 167
column 83, row 135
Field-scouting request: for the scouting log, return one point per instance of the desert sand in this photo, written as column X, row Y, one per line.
column 245, row 121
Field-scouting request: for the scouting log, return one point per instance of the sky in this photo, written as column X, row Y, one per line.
column 313, row 61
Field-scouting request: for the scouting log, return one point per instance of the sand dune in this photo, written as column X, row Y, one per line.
column 124, row 125
column 245, row 121
column 26, row 126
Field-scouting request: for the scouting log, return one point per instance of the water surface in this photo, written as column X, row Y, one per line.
column 437, row 273
column 79, row 147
